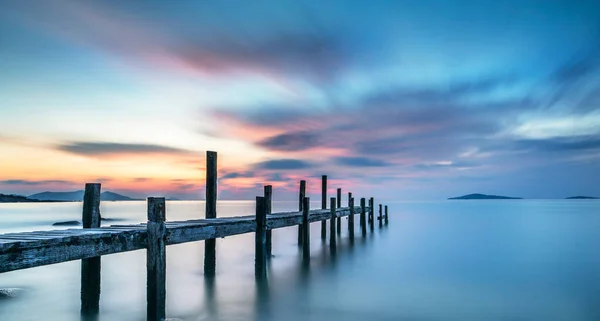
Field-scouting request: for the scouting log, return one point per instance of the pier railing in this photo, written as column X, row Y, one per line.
column 32, row 249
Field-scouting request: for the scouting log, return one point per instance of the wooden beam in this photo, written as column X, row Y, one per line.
column 301, row 196
column 386, row 214
column 156, row 260
column 371, row 212
column 363, row 222
column 351, row 216
column 90, row 268
column 260, row 239
column 332, row 234
column 323, row 205
column 339, row 204
column 268, row 206
column 305, row 229
column 210, row 245
column 211, row 185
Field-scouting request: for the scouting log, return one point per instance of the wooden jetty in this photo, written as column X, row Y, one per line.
column 31, row 249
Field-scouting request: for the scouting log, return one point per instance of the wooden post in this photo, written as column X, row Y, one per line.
column 333, row 218
column 156, row 260
column 339, row 205
column 305, row 229
column 363, row 220
column 386, row 214
column 260, row 240
column 323, row 205
column 301, row 195
column 90, row 268
column 351, row 218
column 210, row 255
column 371, row 212
column 268, row 207
column 380, row 217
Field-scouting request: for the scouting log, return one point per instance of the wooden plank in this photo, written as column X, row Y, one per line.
column 23, row 255
column 156, row 260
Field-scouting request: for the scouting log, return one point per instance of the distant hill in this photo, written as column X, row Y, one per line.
column 77, row 196
column 58, row 196
column 110, row 196
column 4, row 198
column 581, row 198
column 483, row 197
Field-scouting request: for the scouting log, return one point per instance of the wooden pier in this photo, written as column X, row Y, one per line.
column 88, row 244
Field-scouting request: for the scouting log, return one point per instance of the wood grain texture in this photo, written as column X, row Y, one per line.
column 90, row 268
column 156, row 259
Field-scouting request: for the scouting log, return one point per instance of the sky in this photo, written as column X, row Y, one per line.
column 393, row 99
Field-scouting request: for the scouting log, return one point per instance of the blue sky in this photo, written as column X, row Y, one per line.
column 405, row 99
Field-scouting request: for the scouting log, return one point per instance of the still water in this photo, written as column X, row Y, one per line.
column 447, row 260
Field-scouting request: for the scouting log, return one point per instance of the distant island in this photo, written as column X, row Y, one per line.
column 483, row 197
column 581, row 198
column 76, row 196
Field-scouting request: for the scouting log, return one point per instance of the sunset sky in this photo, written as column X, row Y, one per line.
column 397, row 99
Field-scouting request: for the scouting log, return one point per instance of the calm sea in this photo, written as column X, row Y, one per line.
column 447, row 260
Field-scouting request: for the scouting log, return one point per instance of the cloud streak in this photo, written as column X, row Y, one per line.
column 113, row 149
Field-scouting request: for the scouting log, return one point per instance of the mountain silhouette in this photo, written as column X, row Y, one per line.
column 76, row 196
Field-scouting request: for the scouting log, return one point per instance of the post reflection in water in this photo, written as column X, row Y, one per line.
column 210, row 302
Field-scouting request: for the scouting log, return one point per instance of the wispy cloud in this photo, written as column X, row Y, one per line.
column 283, row 164
column 112, row 149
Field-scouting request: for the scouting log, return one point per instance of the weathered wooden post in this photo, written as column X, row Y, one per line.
column 339, row 205
column 371, row 212
column 268, row 207
column 305, row 229
column 301, row 195
column 210, row 255
column 386, row 214
column 156, row 260
column 332, row 220
column 90, row 268
column 351, row 218
column 380, row 217
column 260, row 240
column 323, row 205
column 363, row 220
